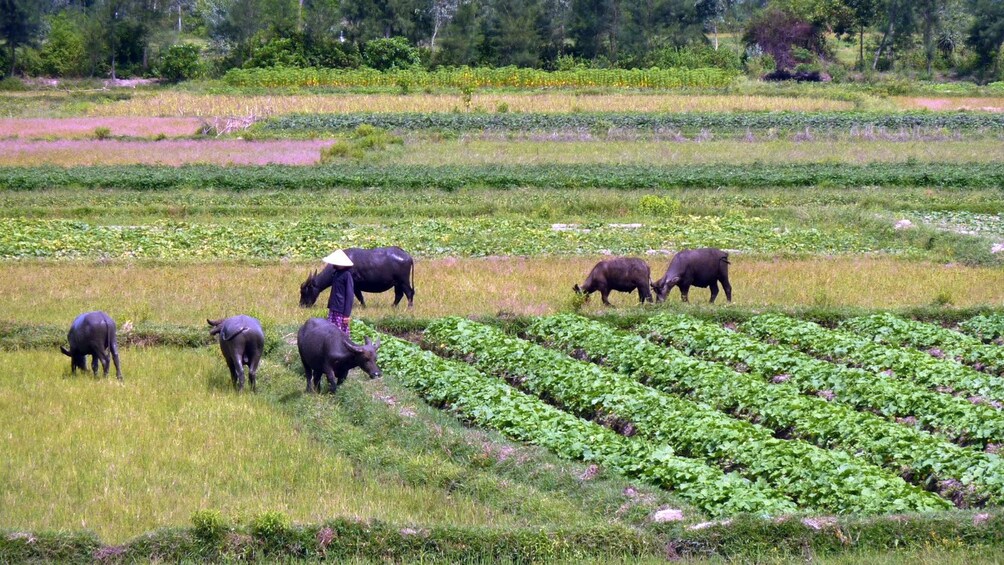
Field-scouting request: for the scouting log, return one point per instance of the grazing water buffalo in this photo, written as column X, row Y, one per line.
column 327, row 350
column 374, row 270
column 624, row 274
column 92, row 333
column 242, row 342
column 696, row 267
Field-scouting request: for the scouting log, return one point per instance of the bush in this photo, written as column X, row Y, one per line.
column 209, row 526
column 390, row 53
column 64, row 52
column 698, row 57
column 278, row 52
column 659, row 205
column 784, row 36
column 180, row 62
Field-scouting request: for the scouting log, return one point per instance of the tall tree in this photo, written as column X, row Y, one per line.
column 986, row 36
column 590, row 26
column 20, row 21
column 863, row 14
column 462, row 37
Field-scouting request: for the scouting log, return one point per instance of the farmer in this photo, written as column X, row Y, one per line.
column 339, row 278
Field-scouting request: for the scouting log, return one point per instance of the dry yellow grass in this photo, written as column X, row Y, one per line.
column 949, row 104
column 185, row 104
column 52, row 293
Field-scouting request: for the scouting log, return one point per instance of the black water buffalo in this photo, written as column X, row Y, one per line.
column 695, row 267
column 373, row 270
column 624, row 274
column 242, row 342
column 92, row 333
column 327, row 350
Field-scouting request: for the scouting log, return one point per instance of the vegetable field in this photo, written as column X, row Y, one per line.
column 793, row 443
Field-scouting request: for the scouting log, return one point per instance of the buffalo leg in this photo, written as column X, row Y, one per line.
column 604, row 294
column 341, row 374
column 115, row 357
column 253, row 372
column 643, row 294
column 309, row 375
column 684, row 292
column 94, row 364
column 728, row 289
column 398, row 294
column 359, row 297
column 410, row 293
column 238, row 374
column 714, row 291
column 332, row 383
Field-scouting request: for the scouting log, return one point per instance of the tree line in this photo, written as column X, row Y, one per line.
column 179, row 39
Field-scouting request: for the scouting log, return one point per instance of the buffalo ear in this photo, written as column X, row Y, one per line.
column 576, row 288
column 367, row 341
column 214, row 322
column 65, row 352
column 376, row 345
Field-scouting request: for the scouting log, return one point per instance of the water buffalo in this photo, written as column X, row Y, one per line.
column 92, row 333
column 624, row 274
column 374, row 270
column 327, row 350
column 242, row 342
column 695, row 267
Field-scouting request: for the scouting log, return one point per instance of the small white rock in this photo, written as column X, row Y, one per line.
column 667, row 515
column 903, row 225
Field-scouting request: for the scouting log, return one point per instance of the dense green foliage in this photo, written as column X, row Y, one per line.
column 716, row 122
column 945, row 375
column 935, row 340
column 953, row 417
column 489, row 402
column 479, row 77
column 450, row 177
column 477, row 237
column 821, row 480
column 921, row 457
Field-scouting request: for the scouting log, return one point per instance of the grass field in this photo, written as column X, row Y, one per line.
column 124, row 459
column 187, row 294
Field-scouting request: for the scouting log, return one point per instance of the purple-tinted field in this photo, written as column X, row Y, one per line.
column 76, row 152
column 48, row 128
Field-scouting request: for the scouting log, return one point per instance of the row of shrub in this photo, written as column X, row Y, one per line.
column 340, row 540
column 682, row 121
column 479, row 77
column 453, row 177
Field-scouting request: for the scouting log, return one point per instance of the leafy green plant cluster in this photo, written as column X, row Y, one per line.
column 659, row 205
column 683, row 121
column 453, row 177
column 365, row 138
column 472, row 237
column 850, row 348
column 911, row 453
column 986, row 328
column 490, row 403
column 816, row 479
column 950, row 416
column 935, row 340
column 480, row 77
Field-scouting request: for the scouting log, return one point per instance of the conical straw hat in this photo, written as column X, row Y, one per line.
column 338, row 259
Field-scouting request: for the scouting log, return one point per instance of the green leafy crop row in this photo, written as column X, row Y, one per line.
column 948, row 415
column 816, row 479
column 452, row 177
column 491, row 403
column 58, row 239
column 907, row 364
column 985, row 328
column 916, row 455
column 591, row 121
column 480, row 77
column 936, row 340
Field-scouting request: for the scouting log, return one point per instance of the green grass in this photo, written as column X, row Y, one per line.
column 121, row 460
